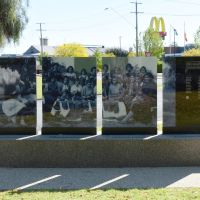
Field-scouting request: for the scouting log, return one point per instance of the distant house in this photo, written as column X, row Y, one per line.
column 35, row 50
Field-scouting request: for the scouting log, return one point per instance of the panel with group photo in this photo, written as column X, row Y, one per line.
column 129, row 95
column 18, row 96
column 69, row 96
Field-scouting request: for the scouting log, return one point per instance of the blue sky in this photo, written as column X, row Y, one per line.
column 86, row 21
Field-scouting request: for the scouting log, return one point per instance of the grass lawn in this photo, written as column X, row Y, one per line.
column 153, row 194
column 39, row 86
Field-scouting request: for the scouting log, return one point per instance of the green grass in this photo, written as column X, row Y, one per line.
column 39, row 87
column 134, row 194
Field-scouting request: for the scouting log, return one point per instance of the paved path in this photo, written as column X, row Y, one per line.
column 99, row 178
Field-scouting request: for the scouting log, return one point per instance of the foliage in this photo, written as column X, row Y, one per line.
column 192, row 52
column 71, row 50
column 133, row 54
column 42, row 55
column 197, row 38
column 153, row 43
column 98, row 55
column 117, row 52
column 108, row 55
column 13, row 19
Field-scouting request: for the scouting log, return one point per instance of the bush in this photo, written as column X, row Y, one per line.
column 192, row 52
column 117, row 52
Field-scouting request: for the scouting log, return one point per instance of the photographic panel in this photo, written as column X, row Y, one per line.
column 129, row 96
column 181, row 95
column 18, row 96
column 69, row 96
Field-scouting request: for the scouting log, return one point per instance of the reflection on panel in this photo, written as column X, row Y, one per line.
column 129, row 95
column 69, row 93
column 18, row 96
column 181, row 95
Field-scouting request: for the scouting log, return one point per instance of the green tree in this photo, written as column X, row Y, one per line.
column 71, row 50
column 153, row 43
column 117, row 52
column 197, row 39
column 13, row 19
column 192, row 52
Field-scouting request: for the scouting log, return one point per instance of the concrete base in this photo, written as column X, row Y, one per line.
column 99, row 151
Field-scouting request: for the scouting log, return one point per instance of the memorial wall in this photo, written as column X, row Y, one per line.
column 129, row 95
column 18, row 96
column 181, row 95
column 69, row 96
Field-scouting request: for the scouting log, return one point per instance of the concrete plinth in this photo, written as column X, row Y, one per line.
column 99, row 151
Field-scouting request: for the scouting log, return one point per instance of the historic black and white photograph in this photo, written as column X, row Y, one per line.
column 129, row 92
column 69, row 92
column 18, row 92
column 169, row 92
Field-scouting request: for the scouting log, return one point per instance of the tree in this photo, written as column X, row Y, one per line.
column 153, row 43
column 192, row 52
column 13, row 19
column 197, row 38
column 99, row 55
column 117, row 52
column 71, row 50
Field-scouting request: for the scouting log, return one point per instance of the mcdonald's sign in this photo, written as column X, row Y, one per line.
column 158, row 25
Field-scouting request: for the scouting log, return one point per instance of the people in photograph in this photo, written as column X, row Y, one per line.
column 83, row 77
column 142, row 109
column 105, row 80
column 76, row 91
column 70, row 73
column 88, row 96
column 149, row 85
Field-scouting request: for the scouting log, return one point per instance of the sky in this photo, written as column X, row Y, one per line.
column 87, row 22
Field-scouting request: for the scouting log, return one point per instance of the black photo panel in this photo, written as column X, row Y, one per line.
column 69, row 96
column 129, row 96
column 181, row 95
column 18, row 96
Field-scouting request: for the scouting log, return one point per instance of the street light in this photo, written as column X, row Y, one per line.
column 116, row 12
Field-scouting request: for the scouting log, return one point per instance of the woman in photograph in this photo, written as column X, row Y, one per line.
column 76, row 91
column 114, row 107
column 83, row 77
column 105, row 80
column 142, row 108
column 88, row 96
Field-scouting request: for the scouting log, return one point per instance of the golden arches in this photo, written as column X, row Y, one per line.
column 158, row 24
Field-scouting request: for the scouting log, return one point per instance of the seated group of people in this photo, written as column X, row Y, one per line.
column 68, row 91
column 18, row 95
column 129, row 94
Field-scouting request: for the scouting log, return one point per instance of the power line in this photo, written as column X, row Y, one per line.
column 172, row 15
column 186, row 2
column 136, row 14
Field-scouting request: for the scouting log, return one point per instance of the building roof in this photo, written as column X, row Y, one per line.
column 35, row 50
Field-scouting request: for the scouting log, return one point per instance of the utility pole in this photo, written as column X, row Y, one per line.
column 136, row 15
column 41, row 36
